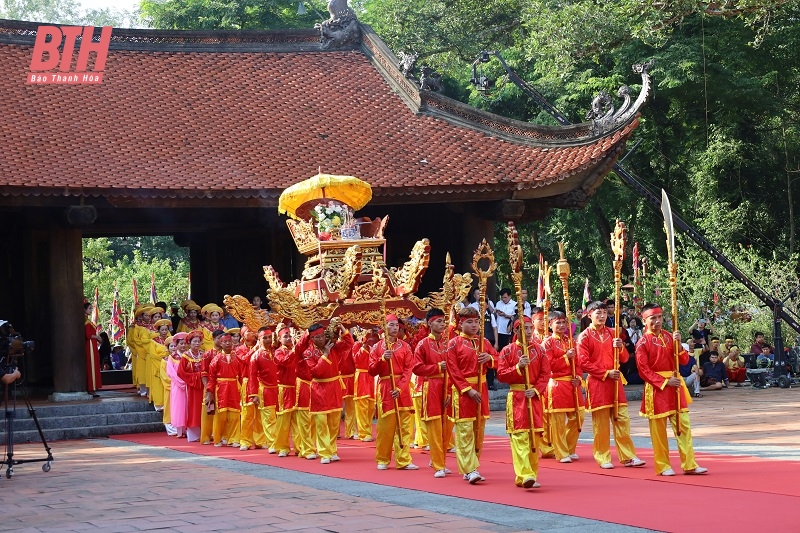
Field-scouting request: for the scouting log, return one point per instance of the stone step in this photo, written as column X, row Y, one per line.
column 77, row 421
column 85, row 432
column 54, row 410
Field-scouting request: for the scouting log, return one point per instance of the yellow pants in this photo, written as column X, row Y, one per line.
column 305, row 436
column 543, row 443
column 285, row 423
column 264, row 428
column 658, row 434
column 526, row 462
column 421, row 434
column 246, row 432
column 387, row 439
column 225, row 425
column 468, row 437
column 434, row 430
column 365, row 408
column 207, row 425
column 601, row 422
column 327, row 426
column 350, row 425
column 564, row 432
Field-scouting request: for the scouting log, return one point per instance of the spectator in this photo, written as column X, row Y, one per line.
column 701, row 336
column 713, row 346
column 689, row 374
column 735, row 366
column 765, row 358
column 174, row 316
column 105, row 350
column 228, row 321
column 758, row 345
column 505, row 308
column 489, row 322
column 725, row 349
column 256, row 302
column 526, row 309
column 118, row 359
column 713, row 375
column 635, row 329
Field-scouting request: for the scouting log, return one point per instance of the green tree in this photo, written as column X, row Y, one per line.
column 104, row 267
column 225, row 15
column 65, row 12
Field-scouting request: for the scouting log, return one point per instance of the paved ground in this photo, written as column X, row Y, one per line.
column 109, row 486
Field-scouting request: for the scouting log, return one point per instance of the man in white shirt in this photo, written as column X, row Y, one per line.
column 527, row 306
column 505, row 309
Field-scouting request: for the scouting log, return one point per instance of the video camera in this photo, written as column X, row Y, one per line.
column 12, row 347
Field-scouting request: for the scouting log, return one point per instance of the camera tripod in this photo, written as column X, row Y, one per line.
column 10, row 411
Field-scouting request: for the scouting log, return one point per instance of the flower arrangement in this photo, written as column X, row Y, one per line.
column 330, row 217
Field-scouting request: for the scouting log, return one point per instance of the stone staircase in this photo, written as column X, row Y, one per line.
column 113, row 413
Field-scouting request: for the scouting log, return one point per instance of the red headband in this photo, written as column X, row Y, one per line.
column 527, row 321
column 317, row 332
column 462, row 318
column 265, row 332
column 650, row 312
column 539, row 314
column 391, row 318
column 285, row 328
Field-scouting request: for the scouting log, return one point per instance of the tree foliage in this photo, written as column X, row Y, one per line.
column 65, row 12
column 116, row 261
column 226, row 15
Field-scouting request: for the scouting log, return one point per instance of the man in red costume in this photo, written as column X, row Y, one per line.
column 322, row 359
column 347, row 372
column 431, row 365
column 522, row 403
column 286, row 423
column 540, row 333
column 596, row 345
column 364, row 386
column 665, row 394
column 391, row 360
column 468, row 356
column 563, row 390
column 222, row 391
column 247, row 421
column 262, row 390
column 207, row 415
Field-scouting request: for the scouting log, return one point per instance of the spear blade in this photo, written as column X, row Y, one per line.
column 666, row 210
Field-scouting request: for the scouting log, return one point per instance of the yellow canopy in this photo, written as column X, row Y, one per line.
column 298, row 200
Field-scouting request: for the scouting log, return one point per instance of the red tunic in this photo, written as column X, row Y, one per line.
column 326, row 387
column 93, row 376
column 517, row 418
column 286, row 363
column 224, row 379
column 596, row 356
column 427, row 356
column 560, row 392
column 189, row 370
column 347, row 371
column 263, row 378
column 655, row 359
column 462, row 365
column 243, row 354
column 364, row 384
column 402, row 363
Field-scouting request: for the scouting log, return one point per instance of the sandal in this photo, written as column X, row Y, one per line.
column 698, row 395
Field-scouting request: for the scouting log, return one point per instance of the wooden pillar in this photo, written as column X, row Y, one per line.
column 66, row 309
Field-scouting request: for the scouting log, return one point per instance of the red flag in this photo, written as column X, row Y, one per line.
column 636, row 260
column 153, row 295
column 586, row 296
column 135, row 292
column 540, row 296
column 117, row 328
column 96, row 308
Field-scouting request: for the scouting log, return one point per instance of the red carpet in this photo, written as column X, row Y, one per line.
column 739, row 493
